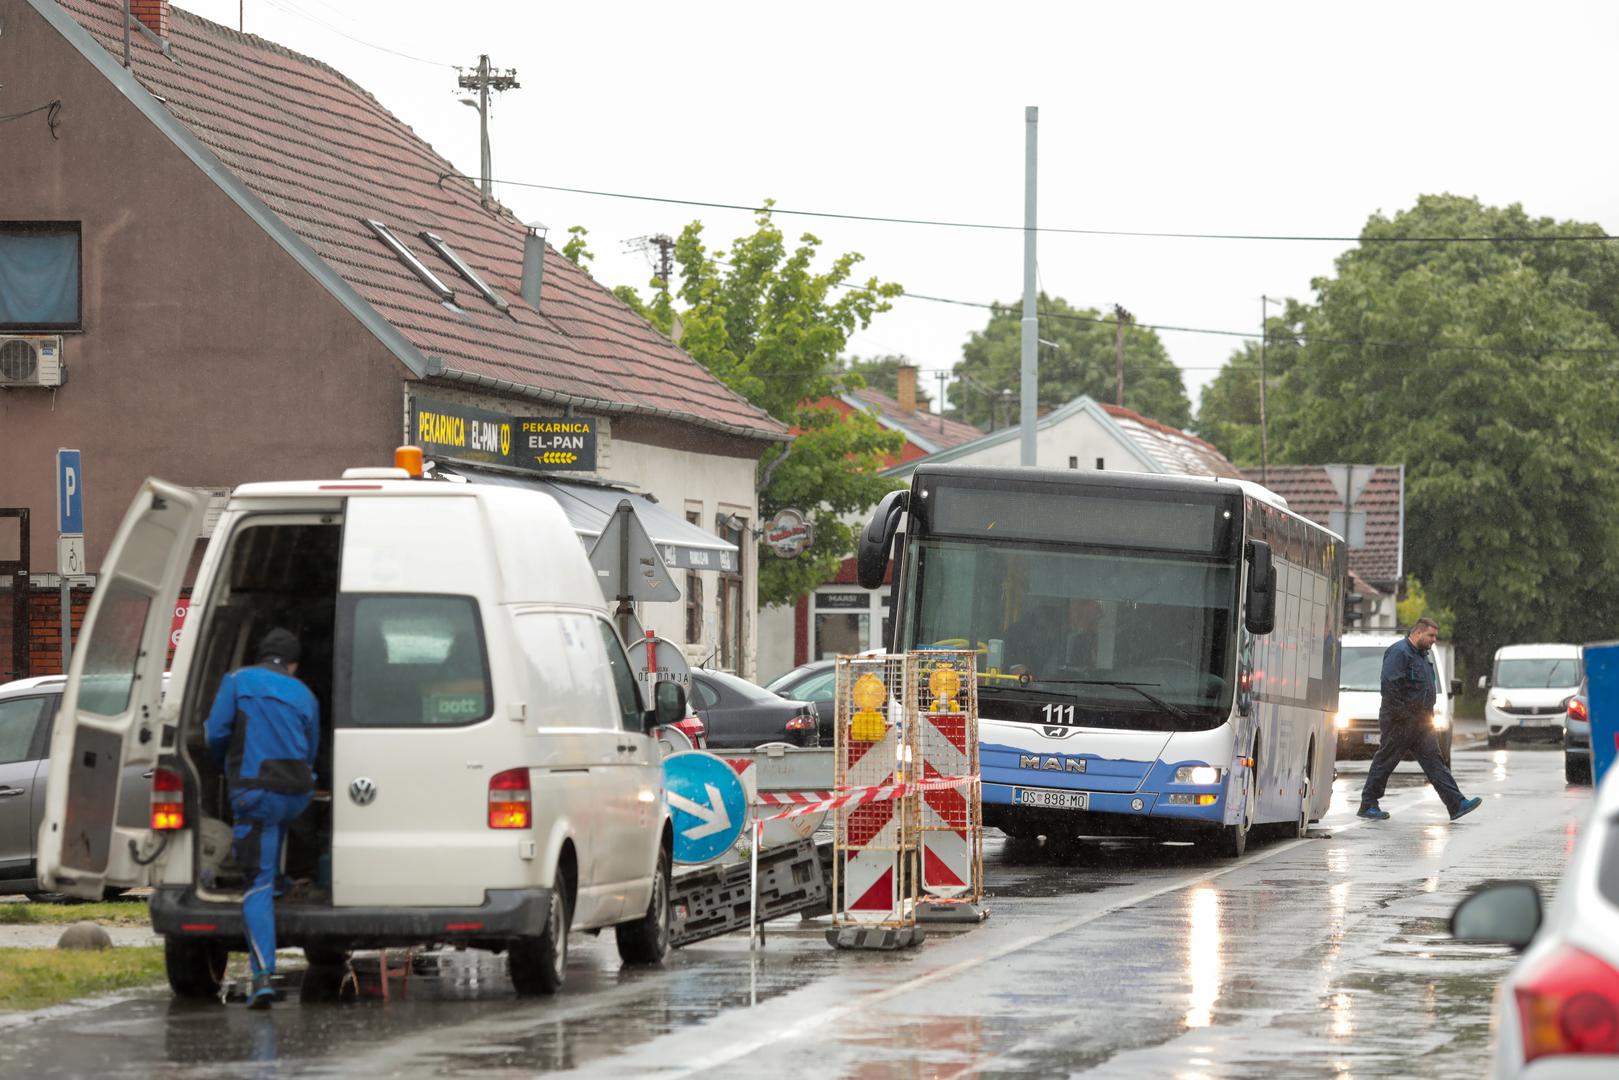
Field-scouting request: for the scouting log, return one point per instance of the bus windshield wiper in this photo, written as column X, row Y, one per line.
column 1174, row 710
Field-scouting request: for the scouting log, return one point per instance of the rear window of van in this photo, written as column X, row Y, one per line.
column 412, row 661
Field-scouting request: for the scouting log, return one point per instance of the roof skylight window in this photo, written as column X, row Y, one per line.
column 448, row 254
column 409, row 258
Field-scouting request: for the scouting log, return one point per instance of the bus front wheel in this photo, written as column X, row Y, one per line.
column 1233, row 839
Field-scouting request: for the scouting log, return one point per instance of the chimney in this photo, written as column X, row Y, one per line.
column 533, row 264
column 153, row 14
column 907, row 388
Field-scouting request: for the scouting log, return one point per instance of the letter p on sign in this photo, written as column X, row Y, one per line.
column 69, row 493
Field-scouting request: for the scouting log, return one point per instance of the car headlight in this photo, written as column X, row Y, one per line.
column 1440, row 721
column 1197, row 774
column 1340, row 720
column 1498, row 702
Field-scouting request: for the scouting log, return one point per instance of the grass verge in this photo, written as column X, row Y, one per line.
column 115, row 913
column 36, row 978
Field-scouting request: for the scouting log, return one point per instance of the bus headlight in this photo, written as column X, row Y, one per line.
column 1340, row 720
column 1197, row 774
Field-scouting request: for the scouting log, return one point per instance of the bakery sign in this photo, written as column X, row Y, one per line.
column 542, row 444
column 789, row 533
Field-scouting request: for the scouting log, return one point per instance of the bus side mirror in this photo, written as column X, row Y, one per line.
column 871, row 561
column 1261, row 599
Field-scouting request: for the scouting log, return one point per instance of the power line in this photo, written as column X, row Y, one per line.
column 290, row 9
column 1061, row 230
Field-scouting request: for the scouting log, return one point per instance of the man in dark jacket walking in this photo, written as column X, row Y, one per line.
column 264, row 730
column 1405, row 719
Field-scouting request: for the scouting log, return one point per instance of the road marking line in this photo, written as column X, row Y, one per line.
column 825, row 1016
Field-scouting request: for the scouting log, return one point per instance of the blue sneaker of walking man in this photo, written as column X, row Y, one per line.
column 264, row 731
column 1405, row 720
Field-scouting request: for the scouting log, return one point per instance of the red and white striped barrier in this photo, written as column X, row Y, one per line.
column 856, row 796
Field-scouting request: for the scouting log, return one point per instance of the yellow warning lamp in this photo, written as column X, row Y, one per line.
column 868, row 724
column 409, row 458
column 945, row 684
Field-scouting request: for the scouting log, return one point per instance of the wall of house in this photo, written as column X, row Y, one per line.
column 207, row 356
column 1079, row 439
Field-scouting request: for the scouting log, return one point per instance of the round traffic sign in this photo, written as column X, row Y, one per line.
column 707, row 804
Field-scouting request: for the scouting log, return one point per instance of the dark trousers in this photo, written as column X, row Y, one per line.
column 1413, row 736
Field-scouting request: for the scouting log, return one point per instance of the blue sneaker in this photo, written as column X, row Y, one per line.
column 262, row 995
column 1467, row 807
column 1372, row 813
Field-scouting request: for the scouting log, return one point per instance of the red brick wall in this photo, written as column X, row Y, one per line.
column 45, row 628
column 154, row 13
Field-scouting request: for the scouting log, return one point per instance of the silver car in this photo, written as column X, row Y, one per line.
column 1557, row 1013
column 27, row 715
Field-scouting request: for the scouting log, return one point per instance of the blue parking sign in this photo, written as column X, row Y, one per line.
column 69, row 493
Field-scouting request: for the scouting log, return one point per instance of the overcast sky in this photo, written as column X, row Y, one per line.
column 1275, row 118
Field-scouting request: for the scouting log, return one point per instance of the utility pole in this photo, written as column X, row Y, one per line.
column 941, row 376
column 1120, row 317
column 484, row 80
column 665, row 265
column 1031, row 319
column 1264, row 436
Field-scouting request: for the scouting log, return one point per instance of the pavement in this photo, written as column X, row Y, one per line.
column 1318, row 957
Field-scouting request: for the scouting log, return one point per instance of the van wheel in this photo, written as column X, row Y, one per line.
column 325, row 956
column 196, row 969
column 1576, row 772
column 646, row 940
column 537, row 965
column 1497, row 742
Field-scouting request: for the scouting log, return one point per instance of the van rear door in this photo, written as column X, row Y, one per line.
column 108, row 718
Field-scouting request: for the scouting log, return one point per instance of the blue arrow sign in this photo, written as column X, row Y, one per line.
column 69, row 493
column 707, row 802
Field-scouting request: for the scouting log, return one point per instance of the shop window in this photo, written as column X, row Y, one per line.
column 39, row 277
column 842, row 623
column 694, row 593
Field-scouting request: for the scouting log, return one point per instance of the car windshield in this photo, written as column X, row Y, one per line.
column 1362, row 668
column 1532, row 673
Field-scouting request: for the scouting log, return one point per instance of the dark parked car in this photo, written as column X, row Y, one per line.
column 815, row 682
column 1577, row 738
column 738, row 713
column 27, row 717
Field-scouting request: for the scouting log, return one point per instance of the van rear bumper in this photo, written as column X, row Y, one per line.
column 505, row 915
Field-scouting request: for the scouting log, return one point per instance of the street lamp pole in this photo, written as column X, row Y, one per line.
column 1264, row 434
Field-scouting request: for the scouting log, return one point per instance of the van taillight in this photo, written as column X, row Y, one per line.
column 168, row 800
column 1569, row 1004
column 509, row 800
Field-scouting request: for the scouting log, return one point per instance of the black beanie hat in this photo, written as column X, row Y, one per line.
column 280, row 644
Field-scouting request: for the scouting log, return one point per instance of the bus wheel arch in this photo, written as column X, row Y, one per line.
column 1232, row 840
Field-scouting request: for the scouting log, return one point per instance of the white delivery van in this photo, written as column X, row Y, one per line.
column 1360, row 694
column 485, row 776
column 1529, row 687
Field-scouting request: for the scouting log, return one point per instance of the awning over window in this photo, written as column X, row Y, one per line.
column 681, row 544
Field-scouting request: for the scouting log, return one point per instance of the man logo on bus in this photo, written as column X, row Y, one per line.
column 1051, row 763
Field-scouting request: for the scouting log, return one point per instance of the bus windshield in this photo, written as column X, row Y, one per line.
column 1125, row 639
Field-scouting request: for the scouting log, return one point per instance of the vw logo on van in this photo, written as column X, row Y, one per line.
column 362, row 791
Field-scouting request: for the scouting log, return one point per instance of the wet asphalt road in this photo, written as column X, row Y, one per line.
column 1319, row 957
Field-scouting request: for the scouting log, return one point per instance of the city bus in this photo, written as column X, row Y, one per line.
column 1157, row 655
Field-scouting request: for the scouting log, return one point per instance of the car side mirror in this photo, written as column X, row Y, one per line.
column 668, row 703
column 1483, row 682
column 1261, row 599
column 871, row 560
column 1507, row 914
column 1455, row 687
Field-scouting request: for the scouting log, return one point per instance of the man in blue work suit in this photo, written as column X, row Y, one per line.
column 1405, row 719
column 264, row 730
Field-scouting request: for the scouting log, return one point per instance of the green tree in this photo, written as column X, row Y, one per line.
column 1416, row 605
column 772, row 327
column 576, row 251
column 1473, row 364
column 881, row 373
column 1228, row 411
column 1079, row 360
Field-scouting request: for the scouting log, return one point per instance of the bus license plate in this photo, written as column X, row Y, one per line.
column 1373, row 739
column 1053, row 800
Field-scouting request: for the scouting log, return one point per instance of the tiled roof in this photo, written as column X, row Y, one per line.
column 1309, row 492
column 324, row 155
column 930, row 431
column 1175, row 450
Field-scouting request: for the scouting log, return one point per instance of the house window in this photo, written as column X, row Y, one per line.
column 1073, row 462
column 1100, row 464
column 694, row 593
column 39, row 276
column 735, row 530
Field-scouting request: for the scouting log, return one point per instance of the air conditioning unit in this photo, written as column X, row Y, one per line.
column 31, row 361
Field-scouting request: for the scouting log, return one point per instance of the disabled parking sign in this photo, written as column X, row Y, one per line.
column 707, row 804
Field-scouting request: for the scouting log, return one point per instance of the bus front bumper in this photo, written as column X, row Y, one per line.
column 1005, row 800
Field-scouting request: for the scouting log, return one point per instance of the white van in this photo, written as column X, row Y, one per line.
column 485, row 776
column 1360, row 693
column 1529, row 687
